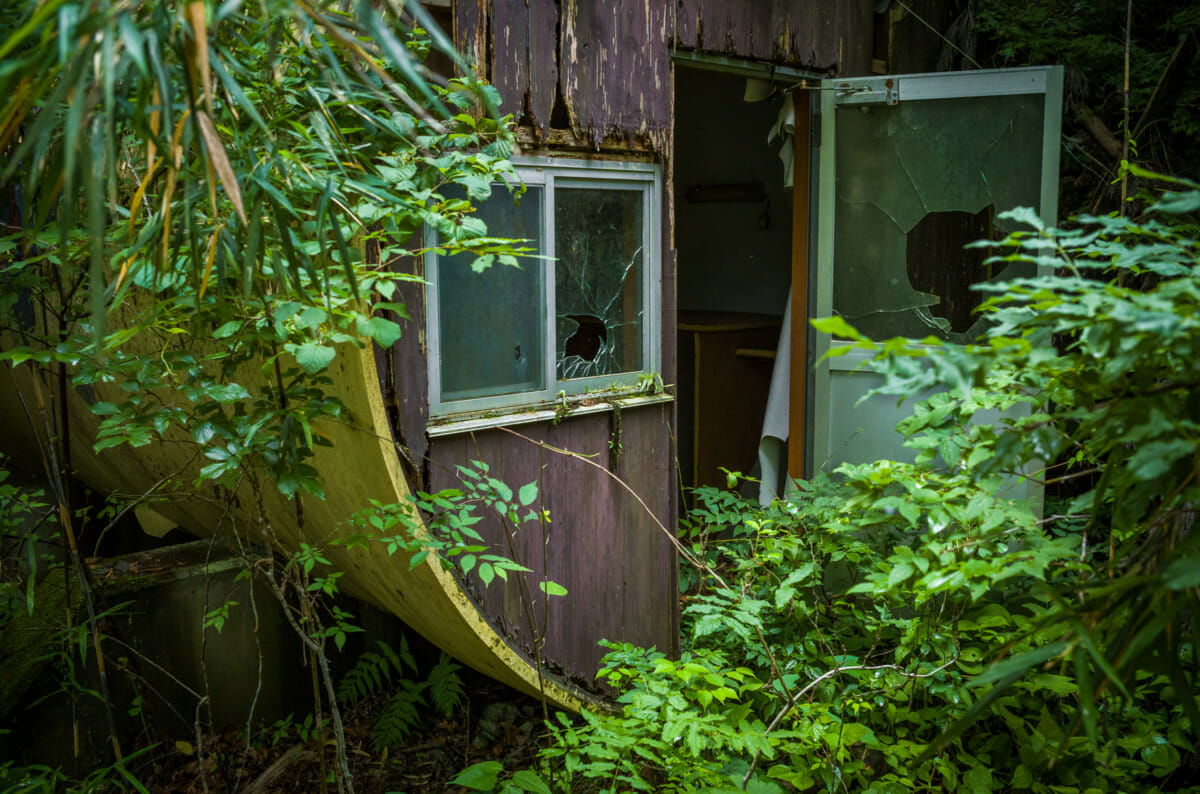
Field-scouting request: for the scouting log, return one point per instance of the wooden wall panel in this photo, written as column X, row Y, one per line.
column 404, row 374
column 820, row 34
column 510, row 74
column 543, row 61
column 470, row 31
column 601, row 544
column 611, row 61
column 615, row 69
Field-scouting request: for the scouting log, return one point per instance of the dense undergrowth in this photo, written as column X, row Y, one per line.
column 915, row 626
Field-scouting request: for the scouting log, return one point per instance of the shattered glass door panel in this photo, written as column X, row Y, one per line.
column 912, row 176
column 598, row 239
column 491, row 322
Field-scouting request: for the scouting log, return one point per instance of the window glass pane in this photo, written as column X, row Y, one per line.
column 598, row 281
column 915, row 183
column 491, row 324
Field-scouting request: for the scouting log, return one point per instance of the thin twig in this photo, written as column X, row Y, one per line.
column 1128, row 132
column 793, row 701
column 698, row 564
column 50, row 464
column 345, row 779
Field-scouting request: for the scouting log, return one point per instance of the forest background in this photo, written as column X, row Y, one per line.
column 904, row 627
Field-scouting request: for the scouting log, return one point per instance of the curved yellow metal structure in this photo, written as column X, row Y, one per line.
column 361, row 465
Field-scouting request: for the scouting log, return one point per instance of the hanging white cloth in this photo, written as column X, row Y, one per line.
column 771, row 445
column 784, row 128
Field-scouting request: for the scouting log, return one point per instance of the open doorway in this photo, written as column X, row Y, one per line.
column 733, row 237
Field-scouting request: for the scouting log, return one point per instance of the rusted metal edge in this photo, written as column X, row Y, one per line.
column 744, row 67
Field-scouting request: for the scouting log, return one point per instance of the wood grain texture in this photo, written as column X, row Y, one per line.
column 614, row 69
column 543, row 61
column 820, row 34
column 610, row 62
column 408, row 368
column 798, row 366
column 601, row 544
column 510, row 39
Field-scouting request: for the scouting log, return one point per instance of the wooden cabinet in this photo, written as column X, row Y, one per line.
column 725, row 363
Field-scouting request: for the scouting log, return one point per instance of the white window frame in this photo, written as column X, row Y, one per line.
column 549, row 174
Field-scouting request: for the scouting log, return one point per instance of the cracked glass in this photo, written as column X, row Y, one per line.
column 916, row 182
column 598, row 238
column 491, row 326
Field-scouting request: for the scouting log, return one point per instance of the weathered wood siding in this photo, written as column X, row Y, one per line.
column 609, row 63
column 818, row 34
column 602, row 544
column 606, row 548
column 404, row 376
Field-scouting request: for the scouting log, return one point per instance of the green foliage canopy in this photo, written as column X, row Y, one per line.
column 185, row 172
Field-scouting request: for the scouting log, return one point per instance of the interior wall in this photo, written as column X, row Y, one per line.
column 726, row 261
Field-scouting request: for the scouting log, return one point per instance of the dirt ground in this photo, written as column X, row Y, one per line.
column 494, row 724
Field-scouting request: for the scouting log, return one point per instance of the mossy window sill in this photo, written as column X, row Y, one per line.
column 580, row 405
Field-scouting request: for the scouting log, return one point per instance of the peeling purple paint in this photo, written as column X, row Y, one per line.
column 611, row 61
column 601, row 544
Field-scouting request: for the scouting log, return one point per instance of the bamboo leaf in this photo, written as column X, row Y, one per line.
column 216, row 152
column 235, row 91
column 135, row 45
column 94, row 188
column 169, row 191
column 109, row 76
column 208, row 261
column 1085, row 638
column 40, row 14
column 344, row 253
column 439, row 38
column 251, row 250
column 197, row 44
column 397, row 52
column 136, row 203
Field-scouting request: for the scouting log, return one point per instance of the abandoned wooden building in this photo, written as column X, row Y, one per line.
column 704, row 177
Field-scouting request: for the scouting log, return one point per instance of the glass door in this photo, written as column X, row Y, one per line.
column 909, row 169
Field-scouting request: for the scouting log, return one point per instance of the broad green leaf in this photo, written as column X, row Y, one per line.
column 837, row 326
column 382, row 330
column 480, row 777
column 528, row 781
column 900, row 572
column 1183, row 574
column 313, row 357
column 552, row 588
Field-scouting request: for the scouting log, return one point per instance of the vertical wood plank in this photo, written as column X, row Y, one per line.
column 601, row 544
column 798, row 365
column 510, row 55
column 543, row 61
column 470, row 32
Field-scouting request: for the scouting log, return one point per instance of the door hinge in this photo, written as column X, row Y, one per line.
column 867, row 91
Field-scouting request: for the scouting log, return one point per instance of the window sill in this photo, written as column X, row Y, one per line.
column 448, row 426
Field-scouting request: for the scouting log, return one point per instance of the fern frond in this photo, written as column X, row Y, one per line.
column 400, row 717
column 445, row 686
column 369, row 674
column 405, row 656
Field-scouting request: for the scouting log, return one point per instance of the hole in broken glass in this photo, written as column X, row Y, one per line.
column 598, row 291
column 588, row 339
column 938, row 263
